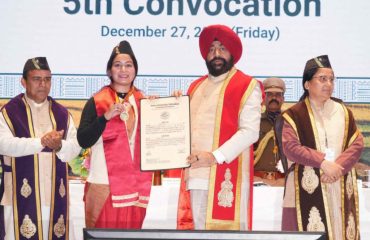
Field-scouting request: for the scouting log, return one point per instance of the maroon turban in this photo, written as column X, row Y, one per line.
column 225, row 35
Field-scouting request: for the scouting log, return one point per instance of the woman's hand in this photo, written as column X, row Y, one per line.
column 332, row 171
column 326, row 179
column 152, row 97
column 114, row 110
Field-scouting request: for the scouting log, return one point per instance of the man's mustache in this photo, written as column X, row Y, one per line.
column 218, row 58
column 274, row 100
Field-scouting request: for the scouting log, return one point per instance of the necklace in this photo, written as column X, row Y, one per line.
column 124, row 115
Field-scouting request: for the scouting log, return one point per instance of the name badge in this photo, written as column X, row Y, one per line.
column 329, row 154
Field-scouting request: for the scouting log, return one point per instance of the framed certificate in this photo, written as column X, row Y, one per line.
column 165, row 133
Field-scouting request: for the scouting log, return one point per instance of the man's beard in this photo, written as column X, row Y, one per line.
column 226, row 66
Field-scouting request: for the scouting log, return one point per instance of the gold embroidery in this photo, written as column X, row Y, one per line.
column 28, row 228
column 59, row 227
column 62, row 188
column 226, row 195
column 26, row 189
column 349, row 186
column 310, row 181
column 315, row 223
column 351, row 228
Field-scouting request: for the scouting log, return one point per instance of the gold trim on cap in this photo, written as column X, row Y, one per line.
column 117, row 49
column 36, row 63
column 317, row 60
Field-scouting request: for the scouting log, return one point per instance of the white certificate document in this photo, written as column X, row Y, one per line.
column 165, row 133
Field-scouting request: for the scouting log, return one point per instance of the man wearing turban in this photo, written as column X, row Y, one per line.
column 225, row 110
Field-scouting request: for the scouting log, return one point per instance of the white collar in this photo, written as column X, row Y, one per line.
column 35, row 104
column 218, row 78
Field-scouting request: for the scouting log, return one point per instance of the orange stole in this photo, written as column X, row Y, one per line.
column 234, row 93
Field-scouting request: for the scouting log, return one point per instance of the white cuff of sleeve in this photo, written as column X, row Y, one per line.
column 39, row 144
column 220, row 158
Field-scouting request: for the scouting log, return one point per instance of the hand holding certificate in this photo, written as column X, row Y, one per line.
column 165, row 133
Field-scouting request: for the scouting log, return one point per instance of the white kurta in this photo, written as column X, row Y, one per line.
column 203, row 113
column 16, row 147
column 328, row 119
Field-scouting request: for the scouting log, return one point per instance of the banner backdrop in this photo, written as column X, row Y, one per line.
column 278, row 37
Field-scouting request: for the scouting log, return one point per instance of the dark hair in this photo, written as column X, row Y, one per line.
column 36, row 63
column 307, row 76
column 123, row 47
column 24, row 75
column 111, row 59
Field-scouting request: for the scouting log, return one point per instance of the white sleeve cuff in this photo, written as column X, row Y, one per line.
column 220, row 158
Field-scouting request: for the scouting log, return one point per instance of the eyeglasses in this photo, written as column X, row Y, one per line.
column 324, row 79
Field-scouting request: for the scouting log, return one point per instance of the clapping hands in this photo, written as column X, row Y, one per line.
column 53, row 139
